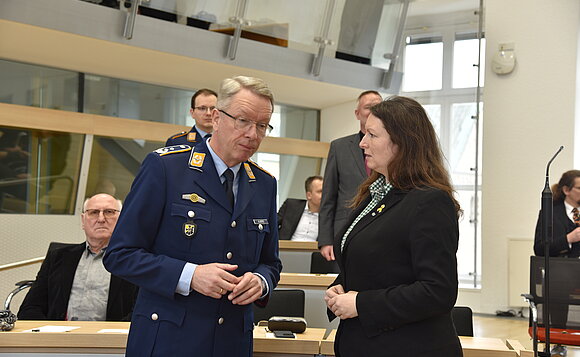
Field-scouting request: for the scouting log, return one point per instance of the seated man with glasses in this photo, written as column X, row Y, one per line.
column 203, row 102
column 72, row 283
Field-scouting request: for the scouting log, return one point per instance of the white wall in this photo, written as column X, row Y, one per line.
column 528, row 114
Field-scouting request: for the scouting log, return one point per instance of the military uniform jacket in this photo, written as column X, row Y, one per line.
column 153, row 240
column 191, row 138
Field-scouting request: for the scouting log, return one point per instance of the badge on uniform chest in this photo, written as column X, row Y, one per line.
column 189, row 229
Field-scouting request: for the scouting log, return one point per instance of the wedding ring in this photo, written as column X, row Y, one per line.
column 221, row 291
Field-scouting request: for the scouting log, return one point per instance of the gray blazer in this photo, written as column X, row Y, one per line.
column 345, row 171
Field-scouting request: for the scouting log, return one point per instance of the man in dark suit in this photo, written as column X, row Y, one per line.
column 203, row 102
column 199, row 235
column 345, row 171
column 72, row 283
column 298, row 219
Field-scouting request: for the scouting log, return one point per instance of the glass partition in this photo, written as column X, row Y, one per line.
column 38, row 86
column 39, row 171
column 115, row 163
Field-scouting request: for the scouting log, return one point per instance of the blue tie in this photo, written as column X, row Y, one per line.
column 229, row 186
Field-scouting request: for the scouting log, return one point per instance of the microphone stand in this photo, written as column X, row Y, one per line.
column 547, row 234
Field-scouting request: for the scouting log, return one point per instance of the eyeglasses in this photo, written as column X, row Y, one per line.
column 107, row 213
column 204, row 109
column 262, row 129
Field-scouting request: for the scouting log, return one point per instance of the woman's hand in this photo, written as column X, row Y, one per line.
column 342, row 304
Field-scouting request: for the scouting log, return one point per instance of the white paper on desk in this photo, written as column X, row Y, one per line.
column 52, row 328
column 270, row 335
column 114, row 330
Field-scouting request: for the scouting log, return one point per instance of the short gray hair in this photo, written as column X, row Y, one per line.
column 119, row 202
column 231, row 86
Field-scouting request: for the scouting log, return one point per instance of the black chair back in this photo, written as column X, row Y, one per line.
column 282, row 303
column 319, row 265
column 463, row 320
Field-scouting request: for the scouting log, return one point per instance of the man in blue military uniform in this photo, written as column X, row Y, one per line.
column 200, row 252
column 203, row 103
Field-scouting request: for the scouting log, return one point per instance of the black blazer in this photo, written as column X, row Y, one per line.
column 562, row 226
column 49, row 295
column 401, row 258
column 289, row 216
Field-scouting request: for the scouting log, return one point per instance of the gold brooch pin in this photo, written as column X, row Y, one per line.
column 380, row 209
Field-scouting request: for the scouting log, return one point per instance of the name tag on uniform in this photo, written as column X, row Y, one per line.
column 260, row 221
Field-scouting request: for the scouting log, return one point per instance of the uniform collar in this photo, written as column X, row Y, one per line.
column 220, row 165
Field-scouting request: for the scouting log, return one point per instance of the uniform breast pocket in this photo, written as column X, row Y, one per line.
column 257, row 230
column 188, row 220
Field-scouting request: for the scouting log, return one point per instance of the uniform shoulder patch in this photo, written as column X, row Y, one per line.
column 178, row 135
column 259, row 167
column 172, row 149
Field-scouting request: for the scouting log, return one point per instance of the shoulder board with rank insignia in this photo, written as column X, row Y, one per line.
column 249, row 172
column 191, row 136
column 179, row 135
column 259, row 167
column 172, row 149
column 196, row 160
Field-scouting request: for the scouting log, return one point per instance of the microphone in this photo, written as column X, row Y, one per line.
column 547, row 233
column 547, row 203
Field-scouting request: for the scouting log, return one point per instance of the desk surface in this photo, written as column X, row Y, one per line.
column 313, row 281
column 472, row 347
column 88, row 339
column 298, row 246
column 304, row 343
column 84, row 339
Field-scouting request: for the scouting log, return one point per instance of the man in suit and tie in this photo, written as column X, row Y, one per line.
column 199, row 235
column 298, row 219
column 203, row 102
column 345, row 171
column 72, row 283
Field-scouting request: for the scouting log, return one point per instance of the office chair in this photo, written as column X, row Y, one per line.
column 25, row 284
column 281, row 303
column 463, row 320
column 564, row 301
column 319, row 265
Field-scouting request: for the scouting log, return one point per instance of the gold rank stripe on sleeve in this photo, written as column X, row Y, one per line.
column 259, row 167
column 179, row 135
column 172, row 150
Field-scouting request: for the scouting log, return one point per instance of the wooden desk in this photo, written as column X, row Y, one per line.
column 306, row 281
column 85, row 339
column 472, row 347
column 485, row 347
column 307, row 343
column 297, row 246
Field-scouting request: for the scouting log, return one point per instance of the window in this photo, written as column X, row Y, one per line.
column 440, row 71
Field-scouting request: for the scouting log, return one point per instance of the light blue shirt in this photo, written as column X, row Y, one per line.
column 184, row 284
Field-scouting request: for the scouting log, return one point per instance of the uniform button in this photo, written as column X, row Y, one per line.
column 234, row 224
column 154, row 316
column 190, row 214
column 260, row 226
column 229, row 255
column 220, row 320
